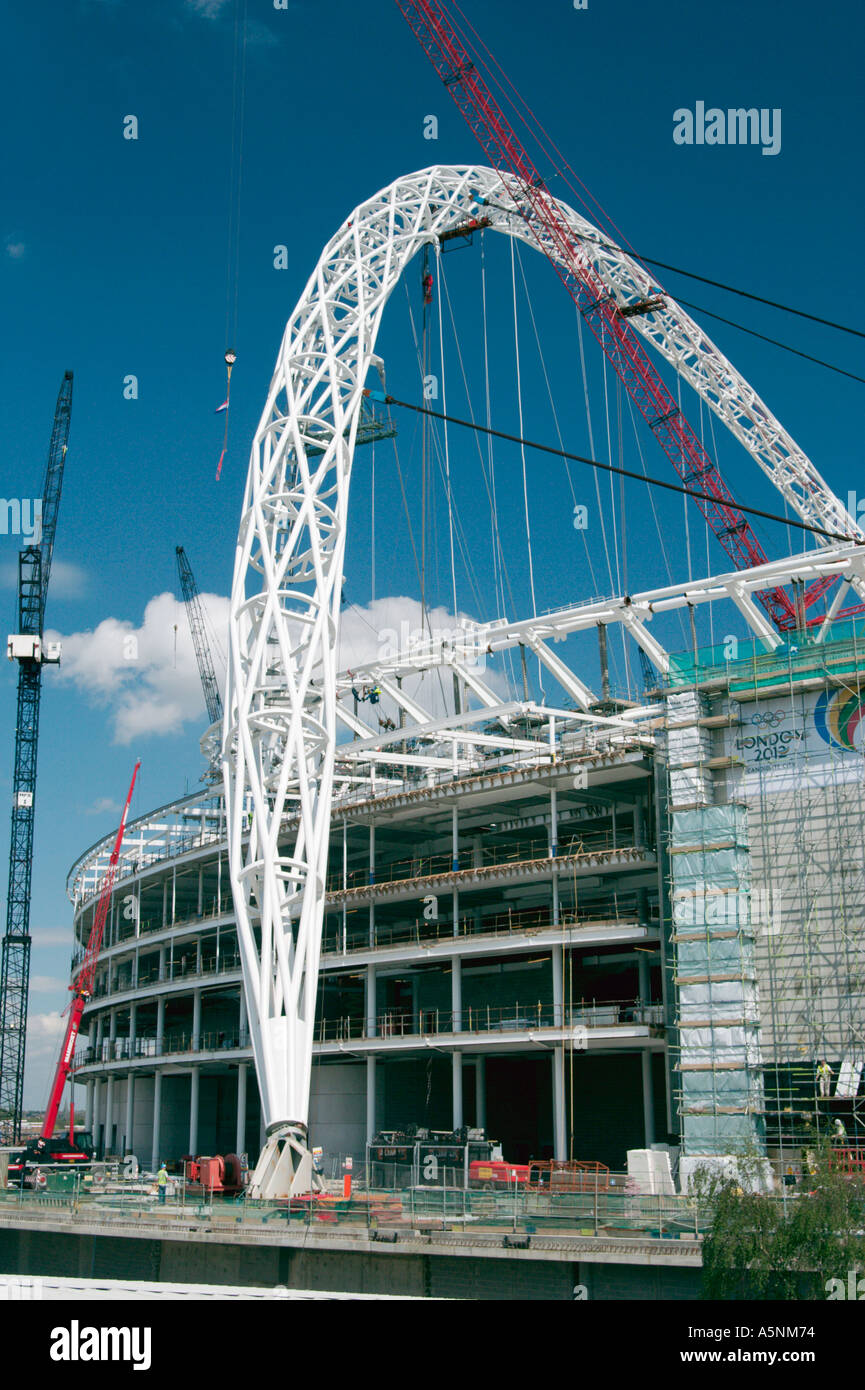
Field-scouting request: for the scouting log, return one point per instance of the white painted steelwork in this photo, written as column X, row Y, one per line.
column 280, row 727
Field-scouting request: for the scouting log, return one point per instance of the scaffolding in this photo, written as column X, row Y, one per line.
column 766, row 845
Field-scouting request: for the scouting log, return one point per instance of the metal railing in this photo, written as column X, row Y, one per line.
column 621, row 909
column 487, row 857
column 129, row 1049
column 209, row 969
column 486, row 1018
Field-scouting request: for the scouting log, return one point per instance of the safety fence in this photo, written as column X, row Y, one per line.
column 511, row 1208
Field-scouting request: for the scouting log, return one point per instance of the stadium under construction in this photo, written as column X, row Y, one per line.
column 465, row 910
column 600, row 931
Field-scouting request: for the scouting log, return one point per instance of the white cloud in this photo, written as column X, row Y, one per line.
column 147, row 676
column 102, row 805
column 51, row 936
column 43, row 1029
column 15, row 250
column 209, row 9
column 67, row 580
column 46, row 984
column 44, row 1033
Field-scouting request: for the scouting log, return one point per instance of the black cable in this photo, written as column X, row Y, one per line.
column 772, row 303
column 774, row 341
column 623, row 472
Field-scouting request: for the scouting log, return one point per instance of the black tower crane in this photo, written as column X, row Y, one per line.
column 28, row 648
column 212, row 697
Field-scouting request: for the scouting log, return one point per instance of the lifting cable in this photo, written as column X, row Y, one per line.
column 543, row 363
column 232, row 258
column 610, row 468
column 558, row 169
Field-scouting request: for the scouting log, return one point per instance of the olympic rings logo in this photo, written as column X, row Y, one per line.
column 770, row 720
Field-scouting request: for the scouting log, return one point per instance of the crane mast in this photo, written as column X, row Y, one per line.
column 27, row 647
column 195, row 614
column 82, row 989
column 458, row 71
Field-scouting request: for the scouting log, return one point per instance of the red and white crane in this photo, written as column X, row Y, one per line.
column 82, row 988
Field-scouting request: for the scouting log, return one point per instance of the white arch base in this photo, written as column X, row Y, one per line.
column 279, row 731
column 285, row 1166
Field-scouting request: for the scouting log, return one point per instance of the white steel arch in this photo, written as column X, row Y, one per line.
column 279, row 728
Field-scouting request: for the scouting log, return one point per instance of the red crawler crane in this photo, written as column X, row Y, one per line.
column 82, row 989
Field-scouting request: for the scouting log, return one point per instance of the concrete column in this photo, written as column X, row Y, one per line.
column 173, row 895
column 100, row 1025
column 97, row 1096
column 240, row 1135
column 457, row 993
column 91, row 1032
column 88, row 1107
column 160, row 1023
column 645, row 986
column 193, row 1111
column 457, row 1062
column 481, row 1092
column 130, row 1113
column 370, row 1002
column 196, row 1020
column 162, row 962
column 109, row 1112
column 201, row 891
column 559, row 1139
column 165, row 902
column 372, row 854
column 198, row 956
column 558, row 989
column 648, row 1105
column 157, row 1119
column 455, row 838
column 133, row 1024
column 370, row 1099
column 241, row 1015
column 112, row 1025
column 554, row 840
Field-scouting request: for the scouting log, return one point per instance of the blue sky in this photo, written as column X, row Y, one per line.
column 114, row 263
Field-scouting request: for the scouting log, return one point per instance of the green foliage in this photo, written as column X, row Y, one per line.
column 768, row 1246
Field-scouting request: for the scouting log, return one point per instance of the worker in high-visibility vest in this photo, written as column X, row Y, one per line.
column 824, row 1078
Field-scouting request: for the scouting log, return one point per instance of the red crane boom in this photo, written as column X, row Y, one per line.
column 82, row 989
column 455, row 66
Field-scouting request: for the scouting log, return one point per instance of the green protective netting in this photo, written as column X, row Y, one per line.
column 718, row 1133
column 698, row 1085
column 698, row 910
column 709, row 825
column 746, row 662
column 716, row 868
column 710, row 956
